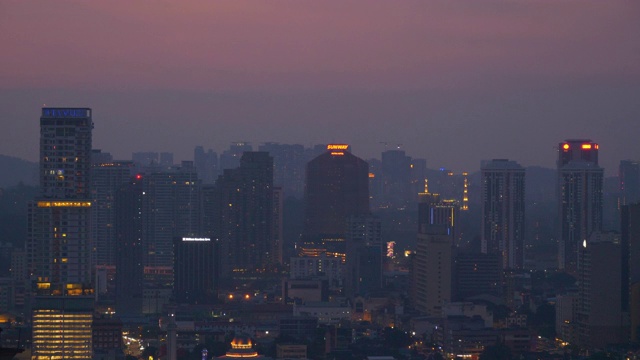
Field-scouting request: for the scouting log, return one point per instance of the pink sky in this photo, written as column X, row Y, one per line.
column 465, row 51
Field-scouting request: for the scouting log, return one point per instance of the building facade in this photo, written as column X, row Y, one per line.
column 503, row 211
column 580, row 182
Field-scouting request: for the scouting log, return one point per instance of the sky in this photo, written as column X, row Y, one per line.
column 455, row 82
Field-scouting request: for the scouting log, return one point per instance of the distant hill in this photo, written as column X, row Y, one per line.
column 14, row 170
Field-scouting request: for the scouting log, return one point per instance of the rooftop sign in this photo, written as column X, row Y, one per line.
column 195, row 239
column 66, row 112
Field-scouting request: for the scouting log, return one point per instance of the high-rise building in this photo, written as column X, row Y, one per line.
column 396, row 179
column 106, row 179
column 364, row 255
column 196, row 270
column 244, row 214
column 433, row 270
column 503, row 184
column 580, row 182
column 230, row 158
column 171, row 208
column 59, row 237
column 433, row 261
column 599, row 314
column 129, row 204
column 288, row 167
column 630, row 242
column 629, row 176
column 337, row 187
column 206, row 164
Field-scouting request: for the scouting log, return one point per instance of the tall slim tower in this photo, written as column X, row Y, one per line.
column 59, row 237
column 503, row 211
column 432, row 271
column 580, row 181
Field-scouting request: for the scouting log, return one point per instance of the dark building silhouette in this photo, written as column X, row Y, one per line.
column 503, row 211
column 206, row 164
column 477, row 274
column 599, row 316
column 129, row 225
column 580, row 182
column 230, row 158
column 630, row 243
column 337, row 187
column 288, row 167
column 243, row 214
column 629, row 177
column 107, row 176
column 396, row 179
column 363, row 256
column 196, row 270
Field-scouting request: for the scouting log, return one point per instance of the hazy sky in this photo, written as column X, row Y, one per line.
column 454, row 82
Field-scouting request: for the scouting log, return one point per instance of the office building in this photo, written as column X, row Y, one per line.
column 364, row 255
column 478, row 274
column 130, row 239
column 432, row 264
column 59, row 237
column 599, row 316
column 289, row 162
column 230, row 158
column 337, row 187
column 206, row 164
column 196, row 270
column 630, row 243
column 580, row 181
column 244, row 215
column 503, row 211
column 396, row 179
column 629, row 177
column 107, row 176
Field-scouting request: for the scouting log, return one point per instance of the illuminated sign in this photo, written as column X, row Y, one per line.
column 337, row 153
column 372, row 175
column 43, row 204
column 195, row 239
column 390, row 249
column 337, row 147
column 66, row 113
column 586, row 146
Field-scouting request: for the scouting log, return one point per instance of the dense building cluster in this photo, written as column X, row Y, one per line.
column 296, row 252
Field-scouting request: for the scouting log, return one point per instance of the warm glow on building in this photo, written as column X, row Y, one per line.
column 337, row 147
column 61, row 335
column 44, row 204
column 241, row 347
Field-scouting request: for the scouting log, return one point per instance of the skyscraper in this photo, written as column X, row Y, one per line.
column 630, row 242
column 503, row 184
column 243, row 214
column 106, row 179
column 337, row 187
column 364, row 255
column 130, row 247
column 396, row 179
column 580, row 182
column 629, row 176
column 59, row 237
column 433, row 261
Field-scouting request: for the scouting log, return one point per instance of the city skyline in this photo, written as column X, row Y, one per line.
column 453, row 83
